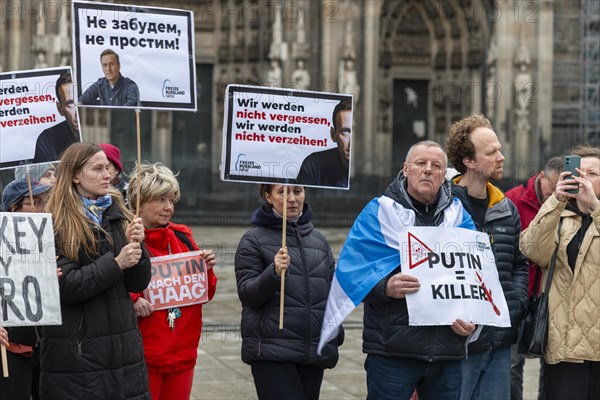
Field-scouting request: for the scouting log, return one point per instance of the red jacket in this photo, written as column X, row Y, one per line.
column 528, row 204
column 167, row 350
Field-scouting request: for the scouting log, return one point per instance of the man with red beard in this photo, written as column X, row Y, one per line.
column 474, row 150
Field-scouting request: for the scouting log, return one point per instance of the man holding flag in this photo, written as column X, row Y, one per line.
column 400, row 358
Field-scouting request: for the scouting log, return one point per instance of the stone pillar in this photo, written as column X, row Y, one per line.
column 275, row 75
column 39, row 46
column 329, row 51
column 545, row 58
column 162, row 136
column 368, row 144
column 15, row 42
column 300, row 54
column 506, row 40
column 523, row 91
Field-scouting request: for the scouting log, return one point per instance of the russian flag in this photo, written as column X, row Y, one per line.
column 371, row 252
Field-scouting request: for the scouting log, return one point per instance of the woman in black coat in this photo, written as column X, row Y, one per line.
column 97, row 352
column 284, row 362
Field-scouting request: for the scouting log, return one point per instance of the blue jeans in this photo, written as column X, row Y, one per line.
column 486, row 375
column 391, row 378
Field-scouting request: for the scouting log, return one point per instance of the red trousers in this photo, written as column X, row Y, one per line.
column 177, row 386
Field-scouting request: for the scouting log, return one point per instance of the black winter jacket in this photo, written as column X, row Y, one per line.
column 308, row 279
column 386, row 331
column 97, row 352
column 503, row 225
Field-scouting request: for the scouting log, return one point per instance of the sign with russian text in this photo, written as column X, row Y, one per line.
column 38, row 118
column 134, row 56
column 178, row 280
column 28, row 281
column 458, row 276
column 287, row 136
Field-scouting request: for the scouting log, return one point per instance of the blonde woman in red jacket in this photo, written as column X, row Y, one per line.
column 170, row 352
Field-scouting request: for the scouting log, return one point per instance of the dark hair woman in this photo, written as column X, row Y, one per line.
column 284, row 362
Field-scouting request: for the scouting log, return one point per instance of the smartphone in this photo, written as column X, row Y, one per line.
column 570, row 163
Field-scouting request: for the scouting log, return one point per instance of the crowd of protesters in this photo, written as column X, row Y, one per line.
column 113, row 344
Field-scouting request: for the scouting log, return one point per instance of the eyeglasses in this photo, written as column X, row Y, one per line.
column 551, row 183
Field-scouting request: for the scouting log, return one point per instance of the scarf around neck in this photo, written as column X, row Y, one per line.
column 94, row 209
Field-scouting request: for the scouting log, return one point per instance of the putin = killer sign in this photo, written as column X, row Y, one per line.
column 178, row 280
column 458, row 276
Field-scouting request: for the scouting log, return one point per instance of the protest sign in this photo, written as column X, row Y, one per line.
column 154, row 66
column 178, row 280
column 458, row 276
column 286, row 136
column 38, row 120
column 28, row 281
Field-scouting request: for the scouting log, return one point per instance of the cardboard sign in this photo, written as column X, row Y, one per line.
column 35, row 124
column 28, row 281
column 287, row 136
column 458, row 276
column 178, row 280
column 155, row 56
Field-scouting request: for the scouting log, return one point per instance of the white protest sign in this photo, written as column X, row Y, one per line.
column 286, row 136
column 28, row 280
column 34, row 126
column 156, row 56
column 178, row 280
column 458, row 276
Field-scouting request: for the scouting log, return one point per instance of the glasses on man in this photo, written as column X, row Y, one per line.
column 551, row 183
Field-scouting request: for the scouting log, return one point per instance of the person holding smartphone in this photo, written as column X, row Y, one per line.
column 572, row 354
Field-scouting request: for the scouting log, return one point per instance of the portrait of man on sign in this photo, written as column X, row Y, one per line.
column 331, row 167
column 54, row 140
column 114, row 89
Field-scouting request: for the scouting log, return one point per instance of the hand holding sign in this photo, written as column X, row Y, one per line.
column 282, row 261
column 401, row 284
column 3, row 346
column 462, row 328
column 135, row 231
column 209, row 258
column 143, row 308
column 129, row 256
column 3, row 337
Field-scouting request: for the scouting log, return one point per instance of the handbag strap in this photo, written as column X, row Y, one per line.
column 184, row 239
column 553, row 260
column 537, row 280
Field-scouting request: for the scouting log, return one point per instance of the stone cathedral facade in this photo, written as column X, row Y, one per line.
column 414, row 67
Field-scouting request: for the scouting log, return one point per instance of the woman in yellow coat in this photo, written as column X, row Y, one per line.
column 572, row 354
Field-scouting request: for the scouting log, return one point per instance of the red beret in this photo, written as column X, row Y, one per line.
column 113, row 154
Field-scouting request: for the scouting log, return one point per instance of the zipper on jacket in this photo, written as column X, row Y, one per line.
column 490, row 235
column 431, row 345
column 80, row 336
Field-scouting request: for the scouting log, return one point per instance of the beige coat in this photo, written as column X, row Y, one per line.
column 574, row 299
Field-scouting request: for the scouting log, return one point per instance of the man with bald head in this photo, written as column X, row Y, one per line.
column 474, row 150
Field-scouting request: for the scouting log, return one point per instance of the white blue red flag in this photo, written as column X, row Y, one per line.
column 371, row 252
